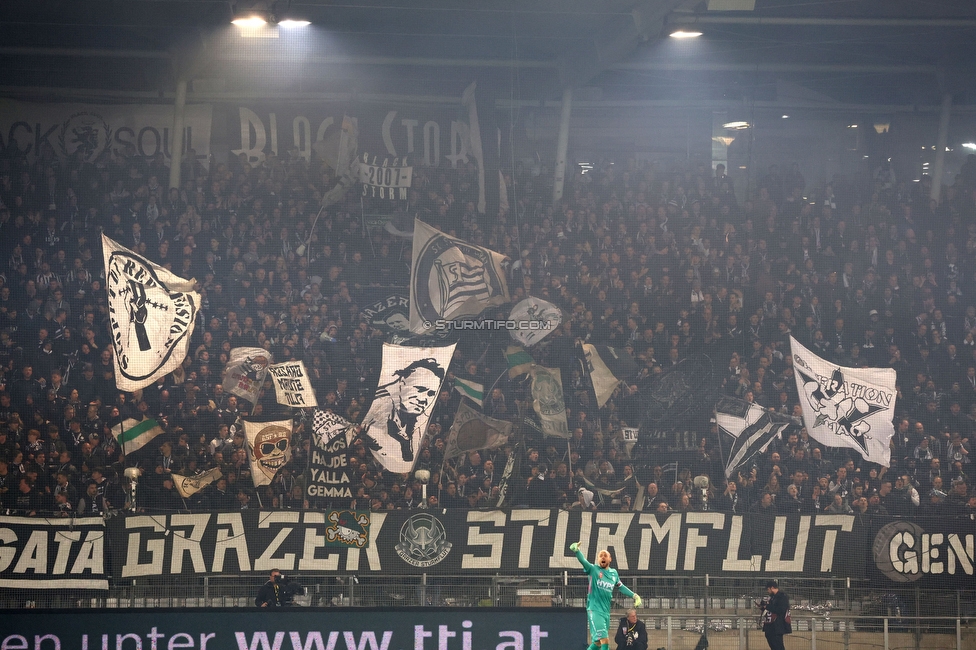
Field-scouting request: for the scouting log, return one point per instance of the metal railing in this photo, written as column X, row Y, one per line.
column 827, row 613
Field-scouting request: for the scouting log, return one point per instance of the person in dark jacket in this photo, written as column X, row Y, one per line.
column 631, row 633
column 775, row 616
column 274, row 592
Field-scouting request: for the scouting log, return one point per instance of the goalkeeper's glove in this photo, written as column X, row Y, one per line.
column 574, row 547
column 637, row 601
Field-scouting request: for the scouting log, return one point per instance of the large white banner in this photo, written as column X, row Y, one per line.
column 846, row 407
column 152, row 313
column 91, row 129
column 410, row 381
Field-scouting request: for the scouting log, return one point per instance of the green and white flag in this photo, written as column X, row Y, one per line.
column 548, row 402
column 471, row 390
column 132, row 435
column 519, row 361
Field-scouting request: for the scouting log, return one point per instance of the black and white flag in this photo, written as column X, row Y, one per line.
column 386, row 309
column 540, row 317
column 748, row 428
column 451, row 279
column 607, row 367
column 329, row 475
column 152, row 314
column 292, row 386
column 246, row 371
column 410, row 381
column 846, row 407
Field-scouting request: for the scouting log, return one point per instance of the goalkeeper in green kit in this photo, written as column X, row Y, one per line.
column 603, row 580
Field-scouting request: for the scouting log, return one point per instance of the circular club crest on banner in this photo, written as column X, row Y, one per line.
column 549, row 393
column 453, row 279
column 148, row 321
column 86, row 133
column 895, row 551
column 423, row 541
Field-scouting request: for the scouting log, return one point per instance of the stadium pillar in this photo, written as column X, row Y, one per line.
column 940, row 146
column 562, row 144
column 176, row 163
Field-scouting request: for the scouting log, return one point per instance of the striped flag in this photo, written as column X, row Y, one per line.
column 751, row 429
column 132, row 435
column 519, row 361
column 451, row 279
column 471, row 390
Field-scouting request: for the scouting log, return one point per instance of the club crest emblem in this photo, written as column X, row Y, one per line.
column 423, row 541
column 457, row 274
column 348, row 528
column 149, row 322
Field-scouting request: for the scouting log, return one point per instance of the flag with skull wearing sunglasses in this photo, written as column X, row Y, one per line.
column 268, row 447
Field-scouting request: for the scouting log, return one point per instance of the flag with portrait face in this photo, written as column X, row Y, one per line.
column 152, row 313
column 410, row 381
column 451, row 279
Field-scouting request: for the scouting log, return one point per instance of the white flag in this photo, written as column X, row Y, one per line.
column 187, row 486
column 540, row 317
column 451, row 279
column 268, row 448
column 245, row 372
column 846, row 407
column 472, row 431
column 608, row 367
column 548, row 402
column 292, row 386
column 410, row 381
column 152, row 314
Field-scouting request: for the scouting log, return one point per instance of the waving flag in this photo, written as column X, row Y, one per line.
column 132, row 435
column 152, row 313
column 519, row 361
column 268, row 447
column 846, row 407
column 246, row 371
column 607, row 367
column 471, row 390
column 328, row 475
column 410, row 381
column 472, row 431
column 548, row 401
column 187, row 486
column 451, row 279
column 542, row 318
column 749, row 428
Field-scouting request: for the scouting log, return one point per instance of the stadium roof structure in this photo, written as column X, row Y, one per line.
column 782, row 52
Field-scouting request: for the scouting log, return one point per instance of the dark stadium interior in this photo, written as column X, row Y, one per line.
column 799, row 170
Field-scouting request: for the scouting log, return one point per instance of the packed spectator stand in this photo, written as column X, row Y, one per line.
column 664, row 263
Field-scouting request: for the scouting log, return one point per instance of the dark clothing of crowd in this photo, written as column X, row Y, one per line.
column 661, row 265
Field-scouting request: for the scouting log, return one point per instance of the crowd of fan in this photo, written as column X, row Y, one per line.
column 661, row 263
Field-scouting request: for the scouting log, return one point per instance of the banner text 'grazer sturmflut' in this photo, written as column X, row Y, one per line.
column 459, row 541
column 428, row 628
column 75, row 553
